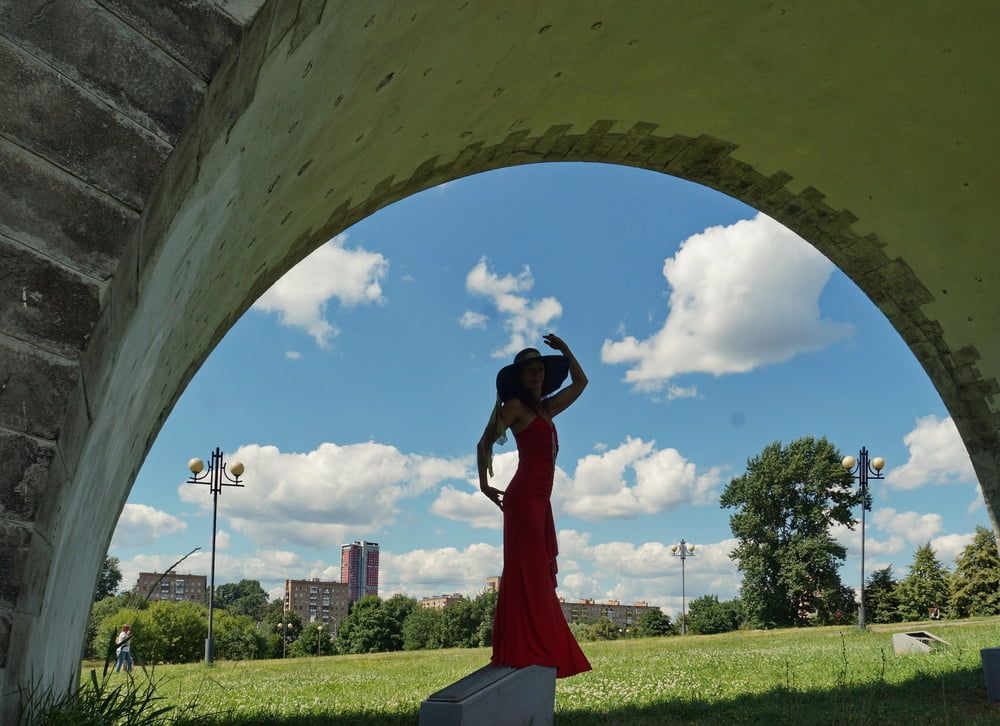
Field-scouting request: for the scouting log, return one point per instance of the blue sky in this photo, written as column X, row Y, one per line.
column 356, row 388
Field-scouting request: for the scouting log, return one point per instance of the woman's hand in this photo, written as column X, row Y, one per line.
column 554, row 341
column 494, row 495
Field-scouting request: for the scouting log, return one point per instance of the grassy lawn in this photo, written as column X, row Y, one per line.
column 821, row 675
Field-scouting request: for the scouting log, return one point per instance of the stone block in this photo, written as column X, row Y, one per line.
column 918, row 641
column 116, row 62
column 44, row 304
column 58, row 120
column 24, row 473
column 494, row 696
column 33, row 389
column 194, row 32
column 991, row 672
column 14, row 542
column 55, row 213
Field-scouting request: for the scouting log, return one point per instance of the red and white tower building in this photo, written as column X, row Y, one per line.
column 359, row 568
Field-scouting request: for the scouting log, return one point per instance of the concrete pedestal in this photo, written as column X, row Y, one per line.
column 991, row 672
column 494, row 696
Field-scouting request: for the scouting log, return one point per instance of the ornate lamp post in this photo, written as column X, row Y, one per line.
column 319, row 639
column 683, row 550
column 861, row 469
column 215, row 477
column 284, row 628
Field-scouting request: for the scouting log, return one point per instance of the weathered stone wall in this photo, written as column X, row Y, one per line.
column 322, row 113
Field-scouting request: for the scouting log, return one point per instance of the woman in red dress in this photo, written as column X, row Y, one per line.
column 529, row 627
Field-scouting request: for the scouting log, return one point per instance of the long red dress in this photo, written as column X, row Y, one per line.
column 529, row 627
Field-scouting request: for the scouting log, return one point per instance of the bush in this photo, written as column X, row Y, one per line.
column 237, row 637
column 165, row 632
column 707, row 615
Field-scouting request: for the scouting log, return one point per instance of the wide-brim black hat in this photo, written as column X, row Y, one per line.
column 556, row 370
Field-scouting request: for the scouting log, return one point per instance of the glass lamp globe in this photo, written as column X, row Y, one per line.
column 196, row 466
column 673, row 549
column 878, row 464
column 690, row 549
column 237, row 469
column 848, row 462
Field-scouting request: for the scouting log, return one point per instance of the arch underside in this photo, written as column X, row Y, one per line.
column 319, row 116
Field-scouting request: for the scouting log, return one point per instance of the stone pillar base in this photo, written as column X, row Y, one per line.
column 494, row 696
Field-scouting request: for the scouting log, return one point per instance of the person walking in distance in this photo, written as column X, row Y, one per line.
column 124, row 645
column 528, row 626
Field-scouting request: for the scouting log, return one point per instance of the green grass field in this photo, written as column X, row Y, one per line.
column 829, row 675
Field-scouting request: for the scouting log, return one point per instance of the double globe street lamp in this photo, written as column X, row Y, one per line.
column 216, row 477
column 683, row 550
column 861, row 468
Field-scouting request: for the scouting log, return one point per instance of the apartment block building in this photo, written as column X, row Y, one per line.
column 589, row 611
column 493, row 583
column 359, row 568
column 439, row 602
column 173, row 586
column 317, row 601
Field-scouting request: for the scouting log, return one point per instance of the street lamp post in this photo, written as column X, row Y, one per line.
column 861, row 469
column 284, row 628
column 683, row 550
column 216, row 477
column 319, row 639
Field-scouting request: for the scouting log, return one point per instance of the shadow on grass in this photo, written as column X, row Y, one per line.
column 956, row 697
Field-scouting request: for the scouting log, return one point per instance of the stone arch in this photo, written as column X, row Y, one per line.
column 319, row 116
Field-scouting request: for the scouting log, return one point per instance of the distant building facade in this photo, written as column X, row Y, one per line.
column 173, row 586
column 589, row 611
column 493, row 584
column 359, row 568
column 317, row 601
column 439, row 602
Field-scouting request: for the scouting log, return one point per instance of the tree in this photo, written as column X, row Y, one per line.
column 313, row 641
column 423, row 629
column 924, row 588
column 486, row 606
column 237, row 637
column 165, row 632
column 109, row 579
column 653, row 623
column 603, row 629
column 976, row 582
column 787, row 500
column 880, row 597
column 706, row 615
column 837, row 606
column 460, row 624
column 367, row 628
column 398, row 607
column 245, row 597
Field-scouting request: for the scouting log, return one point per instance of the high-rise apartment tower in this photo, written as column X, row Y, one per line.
column 359, row 568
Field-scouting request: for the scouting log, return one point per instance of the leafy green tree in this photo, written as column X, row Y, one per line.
column 103, row 609
column 837, row 606
column 925, row 587
column 880, row 597
column 368, row 628
column 786, row 502
column 603, row 629
column 237, row 637
column 423, row 629
column 460, row 624
column 245, row 597
column 109, row 579
column 398, row 607
column 976, row 582
column 165, row 632
column 653, row 623
column 707, row 615
column 313, row 641
column 486, row 606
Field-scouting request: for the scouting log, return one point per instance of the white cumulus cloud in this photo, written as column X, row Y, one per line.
column 629, row 480
column 936, row 456
column 425, row 572
column 351, row 276
column 912, row 526
column 949, row 546
column 326, row 495
column 472, row 319
column 140, row 524
column 742, row 297
column 524, row 319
